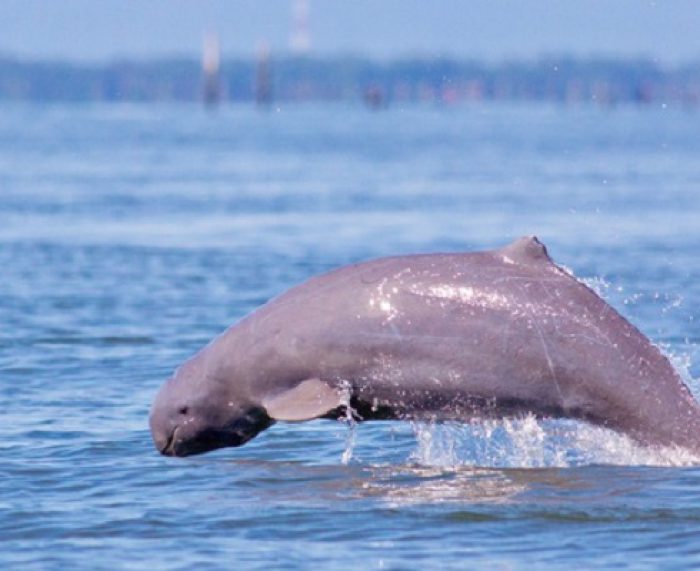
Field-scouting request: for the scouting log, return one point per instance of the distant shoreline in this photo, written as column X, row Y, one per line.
column 377, row 83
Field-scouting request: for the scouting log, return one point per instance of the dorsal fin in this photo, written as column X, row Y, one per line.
column 524, row 250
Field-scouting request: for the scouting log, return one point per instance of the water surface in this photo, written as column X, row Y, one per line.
column 131, row 235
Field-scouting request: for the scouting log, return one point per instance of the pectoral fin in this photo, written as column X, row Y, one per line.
column 309, row 399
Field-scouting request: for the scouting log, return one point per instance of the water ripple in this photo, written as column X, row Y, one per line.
column 131, row 235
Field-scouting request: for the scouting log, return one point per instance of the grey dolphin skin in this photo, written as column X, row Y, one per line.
column 440, row 336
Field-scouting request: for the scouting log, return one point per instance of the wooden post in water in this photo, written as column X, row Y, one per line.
column 263, row 77
column 211, row 62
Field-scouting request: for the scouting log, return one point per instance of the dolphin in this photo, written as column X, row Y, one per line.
column 462, row 336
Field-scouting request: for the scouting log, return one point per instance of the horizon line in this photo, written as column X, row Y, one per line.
column 416, row 56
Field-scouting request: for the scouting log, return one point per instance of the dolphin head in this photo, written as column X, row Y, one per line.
column 198, row 410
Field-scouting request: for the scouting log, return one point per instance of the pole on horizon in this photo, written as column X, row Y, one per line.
column 263, row 76
column 300, row 40
column 211, row 63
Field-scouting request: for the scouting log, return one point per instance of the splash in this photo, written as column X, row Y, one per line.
column 531, row 443
column 682, row 363
column 349, row 418
column 599, row 285
column 350, row 440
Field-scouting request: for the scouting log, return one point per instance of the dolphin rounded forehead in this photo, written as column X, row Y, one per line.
column 194, row 367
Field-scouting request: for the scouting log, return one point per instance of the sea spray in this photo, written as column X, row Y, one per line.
column 528, row 442
column 350, row 419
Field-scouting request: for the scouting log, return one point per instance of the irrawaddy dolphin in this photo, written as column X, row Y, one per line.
column 439, row 336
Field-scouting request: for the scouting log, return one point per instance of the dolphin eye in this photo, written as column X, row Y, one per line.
column 183, row 410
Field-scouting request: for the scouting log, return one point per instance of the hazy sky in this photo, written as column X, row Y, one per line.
column 668, row 30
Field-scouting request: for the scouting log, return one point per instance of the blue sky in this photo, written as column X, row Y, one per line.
column 667, row 30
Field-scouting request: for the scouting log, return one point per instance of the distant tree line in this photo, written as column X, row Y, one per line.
column 347, row 78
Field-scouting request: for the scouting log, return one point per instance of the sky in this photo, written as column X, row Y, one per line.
column 494, row 30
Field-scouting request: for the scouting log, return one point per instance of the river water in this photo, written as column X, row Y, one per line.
column 130, row 235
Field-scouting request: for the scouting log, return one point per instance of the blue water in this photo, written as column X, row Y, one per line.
column 131, row 235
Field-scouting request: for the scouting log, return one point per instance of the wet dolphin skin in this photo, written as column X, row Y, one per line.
column 440, row 336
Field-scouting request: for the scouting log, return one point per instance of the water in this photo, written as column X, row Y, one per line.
column 131, row 235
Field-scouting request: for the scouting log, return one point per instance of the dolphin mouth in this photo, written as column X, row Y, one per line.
column 203, row 442
column 232, row 435
column 168, row 448
column 196, row 437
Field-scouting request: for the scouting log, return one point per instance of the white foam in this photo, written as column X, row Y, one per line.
column 350, row 414
column 531, row 443
column 599, row 285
